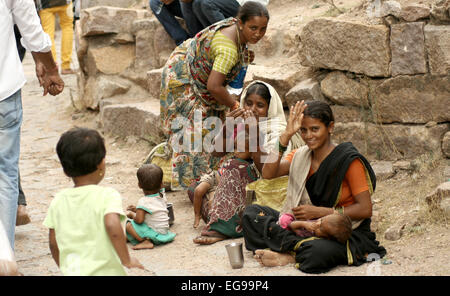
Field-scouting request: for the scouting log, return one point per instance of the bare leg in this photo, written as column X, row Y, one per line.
column 146, row 244
column 270, row 258
column 199, row 192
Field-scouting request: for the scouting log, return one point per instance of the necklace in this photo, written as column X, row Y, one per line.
column 241, row 52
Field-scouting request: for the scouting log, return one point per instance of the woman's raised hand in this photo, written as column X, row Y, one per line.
column 295, row 118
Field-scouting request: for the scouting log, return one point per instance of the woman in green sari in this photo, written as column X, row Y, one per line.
column 193, row 88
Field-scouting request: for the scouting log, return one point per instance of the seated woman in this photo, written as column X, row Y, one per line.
column 334, row 178
column 260, row 100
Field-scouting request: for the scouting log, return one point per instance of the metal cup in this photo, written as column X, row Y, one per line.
column 171, row 215
column 235, row 255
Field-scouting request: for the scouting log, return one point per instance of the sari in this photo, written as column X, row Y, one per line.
column 313, row 254
column 184, row 98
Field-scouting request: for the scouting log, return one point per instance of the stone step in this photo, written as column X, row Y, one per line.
column 140, row 119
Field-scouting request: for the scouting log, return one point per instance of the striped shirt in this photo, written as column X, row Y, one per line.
column 224, row 52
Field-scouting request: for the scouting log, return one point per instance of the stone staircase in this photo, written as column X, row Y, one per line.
column 387, row 76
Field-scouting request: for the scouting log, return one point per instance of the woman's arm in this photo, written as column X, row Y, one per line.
column 361, row 208
column 217, row 89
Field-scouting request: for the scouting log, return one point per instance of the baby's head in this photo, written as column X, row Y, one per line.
column 150, row 178
column 81, row 151
column 335, row 226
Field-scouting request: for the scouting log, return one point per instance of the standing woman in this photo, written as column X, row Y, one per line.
column 323, row 178
column 194, row 81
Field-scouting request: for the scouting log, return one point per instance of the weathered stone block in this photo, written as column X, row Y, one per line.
column 437, row 41
column 350, row 113
column 101, row 20
column 413, row 99
column 408, row 49
column 344, row 91
column 154, row 82
column 132, row 119
column 98, row 88
column 308, row 90
column 349, row 46
column 393, row 141
column 446, row 145
column 110, row 59
column 412, row 13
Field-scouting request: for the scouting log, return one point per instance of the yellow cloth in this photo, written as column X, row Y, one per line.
column 270, row 192
column 65, row 14
column 224, row 52
column 77, row 216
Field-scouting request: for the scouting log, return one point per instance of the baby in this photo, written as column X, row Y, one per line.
column 149, row 221
column 334, row 226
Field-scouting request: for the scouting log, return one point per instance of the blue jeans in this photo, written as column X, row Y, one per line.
column 209, row 12
column 167, row 19
column 10, row 123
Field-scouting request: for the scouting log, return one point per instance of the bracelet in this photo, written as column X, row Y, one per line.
column 281, row 148
column 235, row 106
column 339, row 210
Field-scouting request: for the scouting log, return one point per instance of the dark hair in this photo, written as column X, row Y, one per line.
column 150, row 177
column 251, row 9
column 261, row 90
column 319, row 110
column 340, row 227
column 80, row 151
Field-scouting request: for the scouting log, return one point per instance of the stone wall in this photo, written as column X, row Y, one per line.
column 388, row 79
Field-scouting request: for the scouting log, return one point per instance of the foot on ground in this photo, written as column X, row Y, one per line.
column 207, row 240
column 22, row 216
column 270, row 258
column 144, row 245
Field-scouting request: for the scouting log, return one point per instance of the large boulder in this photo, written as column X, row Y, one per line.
column 413, row 99
column 307, row 90
column 102, row 20
column 349, row 46
column 393, row 141
column 408, row 49
column 437, row 41
column 110, row 59
column 344, row 91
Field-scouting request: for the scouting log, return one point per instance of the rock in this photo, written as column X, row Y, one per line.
column 412, row 13
column 446, row 145
column 437, row 42
column 282, row 79
column 308, row 90
column 154, row 82
column 394, row 232
column 98, row 88
column 383, row 170
column 408, row 49
column 114, row 3
column 102, row 20
column 440, row 198
column 440, row 12
column 390, row 8
column 344, row 91
column 412, row 99
column 391, row 142
column 402, row 165
column 110, row 59
column 447, row 173
column 132, row 119
column 348, row 46
column 350, row 113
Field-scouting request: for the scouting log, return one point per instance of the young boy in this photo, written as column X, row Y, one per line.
column 85, row 232
column 149, row 222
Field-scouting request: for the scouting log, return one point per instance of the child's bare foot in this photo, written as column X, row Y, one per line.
column 270, row 258
column 196, row 221
column 144, row 245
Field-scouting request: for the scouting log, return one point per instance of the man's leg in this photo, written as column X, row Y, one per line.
column 192, row 23
column 48, row 25
column 217, row 10
column 65, row 14
column 10, row 123
column 167, row 19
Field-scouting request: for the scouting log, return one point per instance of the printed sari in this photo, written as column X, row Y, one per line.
column 184, row 95
column 313, row 254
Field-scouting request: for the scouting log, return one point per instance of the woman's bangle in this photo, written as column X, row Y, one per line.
column 281, row 148
column 235, row 106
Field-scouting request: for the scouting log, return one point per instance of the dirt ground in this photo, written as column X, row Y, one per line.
column 423, row 249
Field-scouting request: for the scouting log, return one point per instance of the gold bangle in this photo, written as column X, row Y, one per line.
column 235, row 106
